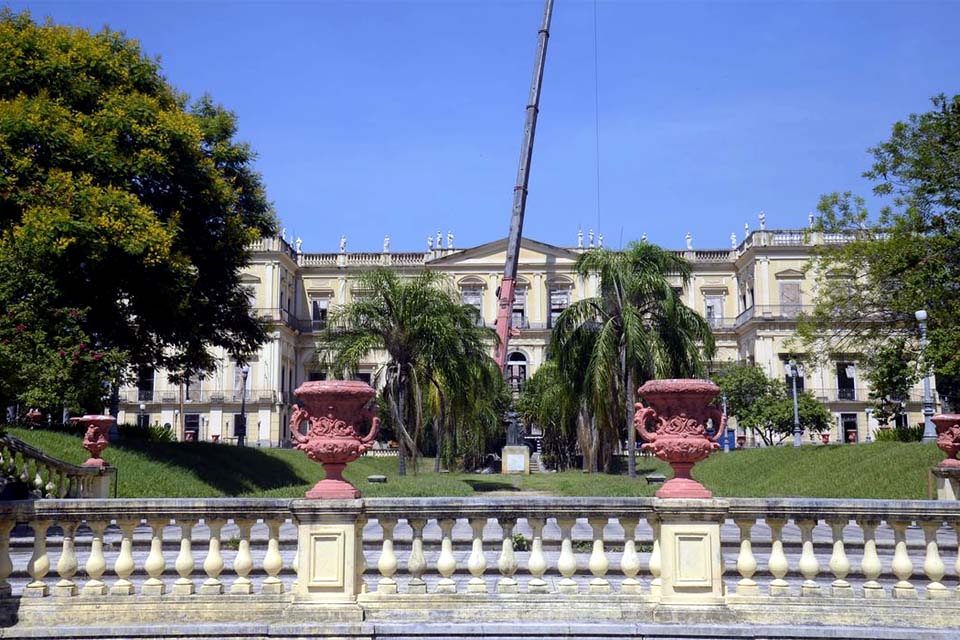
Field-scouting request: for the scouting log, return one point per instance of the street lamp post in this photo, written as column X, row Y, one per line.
column 797, row 431
column 143, row 407
column 929, row 431
column 241, row 428
column 726, row 440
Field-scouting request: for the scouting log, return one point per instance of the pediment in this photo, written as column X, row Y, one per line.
column 494, row 254
column 789, row 274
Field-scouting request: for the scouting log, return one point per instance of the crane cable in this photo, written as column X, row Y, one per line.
column 596, row 108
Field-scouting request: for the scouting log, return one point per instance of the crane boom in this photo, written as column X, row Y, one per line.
column 507, row 285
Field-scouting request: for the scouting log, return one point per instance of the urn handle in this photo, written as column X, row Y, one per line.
column 719, row 419
column 368, row 439
column 640, row 418
column 298, row 416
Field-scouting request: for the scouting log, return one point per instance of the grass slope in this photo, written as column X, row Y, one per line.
column 157, row 469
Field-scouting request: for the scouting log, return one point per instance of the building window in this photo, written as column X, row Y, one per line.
column 788, row 378
column 191, row 389
column 559, row 300
column 191, row 424
column 238, row 387
column 363, row 377
column 145, row 384
column 472, row 295
column 519, row 319
column 713, row 310
column 318, row 312
column 790, row 299
column 516, row 370
column 315, row 376
column 846, row 381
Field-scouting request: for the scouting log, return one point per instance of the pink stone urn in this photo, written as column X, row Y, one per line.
column 948, row 438
column 332, row 408
column 95, row 439
column 680, row 410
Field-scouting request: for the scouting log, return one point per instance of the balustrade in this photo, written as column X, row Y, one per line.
column 826, row 551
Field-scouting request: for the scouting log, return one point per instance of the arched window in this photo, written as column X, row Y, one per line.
column 516, row 370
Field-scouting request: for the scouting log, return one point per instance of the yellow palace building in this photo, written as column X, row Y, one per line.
column 750, row 293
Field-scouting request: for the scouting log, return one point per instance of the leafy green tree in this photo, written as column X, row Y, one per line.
column 430, row 340
column 891, row 375
column 548, row 400
column 635, row 329
column 120, row 198
column 904, row 258
column 765, row 406
column 745, row 387
column 51, row 370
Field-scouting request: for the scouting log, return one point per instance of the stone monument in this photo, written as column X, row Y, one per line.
column 516, row 455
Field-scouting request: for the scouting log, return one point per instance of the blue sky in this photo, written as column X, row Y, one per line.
column 405, row 117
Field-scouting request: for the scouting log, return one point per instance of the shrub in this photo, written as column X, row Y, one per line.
column 900, row 434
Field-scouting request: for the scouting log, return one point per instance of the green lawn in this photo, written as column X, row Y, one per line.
column 156, row 469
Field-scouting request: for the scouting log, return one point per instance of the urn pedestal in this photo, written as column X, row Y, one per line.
column 332, row 408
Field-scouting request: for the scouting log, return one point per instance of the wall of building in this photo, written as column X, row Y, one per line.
column 750, row 294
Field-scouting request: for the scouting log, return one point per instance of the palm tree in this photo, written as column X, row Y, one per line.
column 428, row 336
column 635, row 329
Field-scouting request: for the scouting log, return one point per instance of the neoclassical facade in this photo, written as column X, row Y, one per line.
column 751, row 294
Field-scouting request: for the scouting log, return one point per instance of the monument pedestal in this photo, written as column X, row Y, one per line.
column 515, row 459
column 948, row 482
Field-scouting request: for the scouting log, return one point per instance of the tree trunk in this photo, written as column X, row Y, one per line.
column 631, row 431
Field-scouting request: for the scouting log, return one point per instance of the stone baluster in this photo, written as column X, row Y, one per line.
column 933, row 565
column 870, row 564
column 629, row 560
column 6, row 564
column 96, row 563
column 956, row 562
column 24, row 469
column 49, row 489
column 124, row 565
column 67, row 563
column 185, row 564
column 809, row 565
column 155, row 563
column 839, row 563
column 746, row 562
column 777, row 564
column 901, row 565
column 655, row 559
column 243, row 561
column 213, row 563
column 598, row 558
column 273, row 561
column 387, row 564
column 507, row 562
column 477, row 562
column 416, row 562
column 38, row 483
column 39, row 563
column 537, row 561
column 567, row 563
column 446, row 563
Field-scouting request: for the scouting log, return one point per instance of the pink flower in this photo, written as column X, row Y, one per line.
column 98, row 356
column 20, row 328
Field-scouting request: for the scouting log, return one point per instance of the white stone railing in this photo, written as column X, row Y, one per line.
column 752, row 561
column 47, row 477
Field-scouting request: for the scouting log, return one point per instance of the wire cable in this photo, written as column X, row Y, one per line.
column 596, row 108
